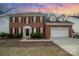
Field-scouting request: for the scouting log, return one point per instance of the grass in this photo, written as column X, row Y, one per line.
column 9, row 48
column 32, row 51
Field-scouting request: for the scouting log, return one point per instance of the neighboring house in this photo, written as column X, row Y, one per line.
column 50, row 25
column 75, row 20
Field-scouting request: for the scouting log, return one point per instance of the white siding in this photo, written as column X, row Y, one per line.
column 76, row 23
column 4, row 24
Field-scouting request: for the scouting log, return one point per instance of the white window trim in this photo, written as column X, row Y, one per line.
column 13, row 30
column 34, row 30
column 27, row 20
column 19, row 19
column 41, row 29
column 34, row 19
column 13, row 19
column 41, row 19
column 58, row 24
column 19, row 29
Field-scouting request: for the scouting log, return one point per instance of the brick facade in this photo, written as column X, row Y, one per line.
column 22, row 24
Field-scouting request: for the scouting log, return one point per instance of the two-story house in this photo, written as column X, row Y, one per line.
column 50, row 25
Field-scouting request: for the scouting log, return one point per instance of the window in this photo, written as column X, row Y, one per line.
column 10, row 30
column 13, row 30
column 24, row 18
column 11, row 19
column 37, row 19
column 16, row 19
column 53, row 18
column 32, row 30
column 38, row 30
column 41, row 19
column 41, row 29
column 34, row 19
column 19, row 30
column 27, row 20
column 19, row 19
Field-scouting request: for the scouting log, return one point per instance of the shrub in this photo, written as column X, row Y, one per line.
column 9, row 35
column 77, row 36
column 17, row 35
column 3, row 35
column 36, row 35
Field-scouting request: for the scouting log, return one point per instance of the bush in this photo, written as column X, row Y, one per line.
column 36, row 35
column 17, row 35
column 9, row 35
column 77, row 36
column 3, row 35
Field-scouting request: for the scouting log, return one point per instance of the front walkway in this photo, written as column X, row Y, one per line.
column 35, row 40
column 70, row 45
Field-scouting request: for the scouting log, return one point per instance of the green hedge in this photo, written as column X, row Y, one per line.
column 9, row 35
column 77, row 36
column 36, row 35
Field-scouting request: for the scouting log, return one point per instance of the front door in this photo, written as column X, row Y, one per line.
column 27, row 32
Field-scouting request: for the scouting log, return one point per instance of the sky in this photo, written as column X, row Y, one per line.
column 60, row 8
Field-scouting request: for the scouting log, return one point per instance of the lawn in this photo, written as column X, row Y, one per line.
column 17, row 48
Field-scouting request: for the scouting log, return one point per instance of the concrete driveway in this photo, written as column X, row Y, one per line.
column 70, row 45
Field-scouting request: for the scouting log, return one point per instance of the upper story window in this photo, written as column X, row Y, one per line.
column 62, row 17
column 19, row 19
column 41, row 19
column 27, row 20
column 34, row 19
column 38, row 19
column 16, row 19
column 11, row 19
column 24, row 18
column 53, row 18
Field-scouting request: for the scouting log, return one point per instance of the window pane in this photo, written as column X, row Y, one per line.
column 29, row 19
column 10, row 30
column 25, row 20
column 32, row 30
column 10, row 19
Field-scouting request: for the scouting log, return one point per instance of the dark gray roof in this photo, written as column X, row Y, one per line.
column 37, row 13
column 57, row 21
column 75, row 16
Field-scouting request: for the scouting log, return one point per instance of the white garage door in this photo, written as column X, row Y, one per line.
column 59, row 32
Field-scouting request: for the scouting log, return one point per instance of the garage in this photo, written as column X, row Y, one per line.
column 59, row 32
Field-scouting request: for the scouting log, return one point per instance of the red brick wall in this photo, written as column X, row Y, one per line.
column 15, row 25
